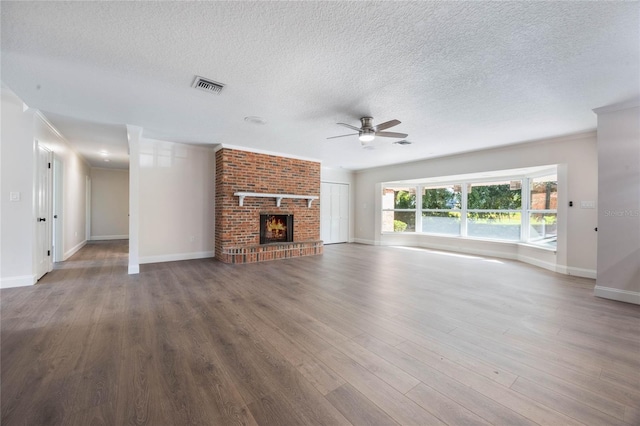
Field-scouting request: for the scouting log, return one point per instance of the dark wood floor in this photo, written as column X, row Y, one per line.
column 361, row 335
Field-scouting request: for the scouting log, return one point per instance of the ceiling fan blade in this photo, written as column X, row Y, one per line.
column 391, row 135
column 357, row 129
column 342, row 136
column 386, row 125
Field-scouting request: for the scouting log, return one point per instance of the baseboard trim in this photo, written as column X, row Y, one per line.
column 176, row 256
column 550, row 266
column 19, row 281
column 74, row 250
column 617, row 294
column 466, row 250
column 109, row 237
column 578, row 272
column 363, row 241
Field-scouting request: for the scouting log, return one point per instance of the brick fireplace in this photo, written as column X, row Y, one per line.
column 238, row 227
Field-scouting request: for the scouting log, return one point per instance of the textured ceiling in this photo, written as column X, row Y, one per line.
column 460, row 76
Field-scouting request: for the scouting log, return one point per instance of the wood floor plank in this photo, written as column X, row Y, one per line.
column 357, row 408
column 319, row 375
column 552, row 377
column 268, row 379
column 382, row 368
column 395, row 404
column 470, row 398
column 632, row 416
column 525, row 406
column 359, row 335
column 575, row 409
column 451, row 354
column 443, row 407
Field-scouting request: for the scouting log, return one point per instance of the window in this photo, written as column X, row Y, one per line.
column 519, row 208
column 543, row 213
column 398, row 209
column 494, row 210
column 441, row 209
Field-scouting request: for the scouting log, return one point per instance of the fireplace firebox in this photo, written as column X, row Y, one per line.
column 276, row 228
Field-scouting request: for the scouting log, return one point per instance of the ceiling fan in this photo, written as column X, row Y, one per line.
column 367, row 131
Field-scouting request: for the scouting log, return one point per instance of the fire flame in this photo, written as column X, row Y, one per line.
column 276, row 228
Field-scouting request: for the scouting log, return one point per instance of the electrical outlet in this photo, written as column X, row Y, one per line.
column 14, row 196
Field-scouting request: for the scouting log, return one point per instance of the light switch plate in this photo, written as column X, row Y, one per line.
column 587, row 204
column 14, row 196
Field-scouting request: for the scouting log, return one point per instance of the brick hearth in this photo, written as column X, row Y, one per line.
column 238, row 228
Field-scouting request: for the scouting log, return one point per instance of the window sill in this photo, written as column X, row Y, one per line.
column 487, row 240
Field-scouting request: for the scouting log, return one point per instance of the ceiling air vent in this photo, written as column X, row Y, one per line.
column 207, row 85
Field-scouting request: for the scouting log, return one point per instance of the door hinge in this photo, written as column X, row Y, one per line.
column 49, row 165
column 48, row 252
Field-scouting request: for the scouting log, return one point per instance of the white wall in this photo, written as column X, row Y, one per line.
column 109, row 204
column 176, row 201
column 17, row 219
column 577, row 181
column 21, row 128
column 619, row 202
column 76, row 170
column 334, row 175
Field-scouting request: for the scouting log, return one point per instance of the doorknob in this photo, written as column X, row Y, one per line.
column 42, row 219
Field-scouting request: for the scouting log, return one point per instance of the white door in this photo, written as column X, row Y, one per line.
column 57, row 210
column 334, row 212
column 325, row 212
column 343, row 211
column 43, row 212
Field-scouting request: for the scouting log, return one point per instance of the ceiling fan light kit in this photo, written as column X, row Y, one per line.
column 367, row 131
column 366, row 136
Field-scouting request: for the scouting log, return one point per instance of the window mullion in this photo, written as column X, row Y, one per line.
column 463, row 208
column 419, row 189
column 526, row 206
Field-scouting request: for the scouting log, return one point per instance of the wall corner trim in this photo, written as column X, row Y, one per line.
column 617, row 294
column 133, row 269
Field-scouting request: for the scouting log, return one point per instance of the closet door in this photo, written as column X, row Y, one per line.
column 343, row 233
column 325, row 212
column 334, row 212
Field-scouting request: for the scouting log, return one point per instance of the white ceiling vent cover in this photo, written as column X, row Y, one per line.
column 207, row 85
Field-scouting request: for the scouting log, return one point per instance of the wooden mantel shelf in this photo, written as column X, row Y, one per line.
column 278, row 197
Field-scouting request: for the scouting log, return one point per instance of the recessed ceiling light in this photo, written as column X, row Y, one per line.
column 254, row 119
column 103, row 153
column 107, row 160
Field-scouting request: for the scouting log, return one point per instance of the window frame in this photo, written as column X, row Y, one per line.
column 418, row 199
column 467, row 186
column 525, row 211
column 526, row 237
column 421, row 188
